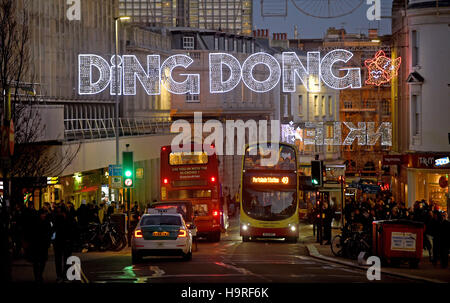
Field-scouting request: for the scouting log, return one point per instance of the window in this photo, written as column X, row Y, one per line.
column 415, row 48
column 226, row 44
column 216, row 43
column 348, row 104
column 324, row 108
column 330, row 106
column 300, row 105
column 316, row 105
column 188, row 42
column 415, row 110
column 192, row 98
column 285, row 101
column 385, row 107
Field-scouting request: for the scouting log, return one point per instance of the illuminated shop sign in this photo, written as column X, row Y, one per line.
column 291, row 72
column 442, row 161
column 270, row 180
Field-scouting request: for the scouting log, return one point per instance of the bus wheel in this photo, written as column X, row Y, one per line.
column 245, row 239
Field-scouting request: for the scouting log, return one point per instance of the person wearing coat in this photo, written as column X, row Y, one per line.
column 40, row 239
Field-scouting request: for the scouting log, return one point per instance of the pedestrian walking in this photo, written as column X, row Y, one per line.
column 63, row 242
column 444, row 234
column 328, row 215
column 40, row 236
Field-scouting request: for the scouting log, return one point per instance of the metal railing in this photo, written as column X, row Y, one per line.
column 76, row 129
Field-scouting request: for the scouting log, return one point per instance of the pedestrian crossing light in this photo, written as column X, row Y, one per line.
column 128, row 169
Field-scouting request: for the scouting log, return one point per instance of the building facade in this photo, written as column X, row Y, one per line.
column 56, row 40
column 240, row 103
column 421, row 37
column 232, row 16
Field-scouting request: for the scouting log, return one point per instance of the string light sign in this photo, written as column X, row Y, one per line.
column 381, row 68
column 291, row 72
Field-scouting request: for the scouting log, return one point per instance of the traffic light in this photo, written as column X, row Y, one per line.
column 128, row 169
column 316, row 173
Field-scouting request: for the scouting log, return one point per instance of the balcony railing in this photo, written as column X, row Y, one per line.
column 76, row 129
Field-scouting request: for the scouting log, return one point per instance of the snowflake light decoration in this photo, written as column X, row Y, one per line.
column 381, row 68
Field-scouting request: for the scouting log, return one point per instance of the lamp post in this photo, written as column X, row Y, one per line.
column 116, row 31
column 116, row 24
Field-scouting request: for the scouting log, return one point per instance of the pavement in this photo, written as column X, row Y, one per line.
column 426, row 272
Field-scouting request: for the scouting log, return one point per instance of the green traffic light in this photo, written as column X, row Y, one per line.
column 314, row 181
column 128, row 173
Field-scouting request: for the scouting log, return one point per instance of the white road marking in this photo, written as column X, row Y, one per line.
column 158, row 271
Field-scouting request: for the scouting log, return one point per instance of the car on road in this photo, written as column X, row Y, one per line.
column 161, row 232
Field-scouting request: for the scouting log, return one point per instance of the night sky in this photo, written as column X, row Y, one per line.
column 310, row 27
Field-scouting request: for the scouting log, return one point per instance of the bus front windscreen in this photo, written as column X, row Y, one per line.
column 269, row 204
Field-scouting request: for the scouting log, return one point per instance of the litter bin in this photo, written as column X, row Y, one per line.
column 398, row 240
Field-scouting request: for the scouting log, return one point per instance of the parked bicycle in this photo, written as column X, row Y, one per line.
column 101, row 237
column 351, row 242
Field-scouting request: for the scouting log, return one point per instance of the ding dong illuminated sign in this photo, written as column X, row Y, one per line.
column 151, row 75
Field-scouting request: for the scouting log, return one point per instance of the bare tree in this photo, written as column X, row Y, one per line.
column 32, row 157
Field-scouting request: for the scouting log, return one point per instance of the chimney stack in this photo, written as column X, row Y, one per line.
column 373, row 33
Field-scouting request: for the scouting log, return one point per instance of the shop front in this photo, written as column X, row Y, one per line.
column 88, row 186
column 428, row 176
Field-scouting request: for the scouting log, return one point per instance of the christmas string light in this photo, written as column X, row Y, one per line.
column 85, row 64
column 384, row 131
column 216, row 83
column 274, row 72
column 190, row 85
column 353, row 77
column 293, row 68
column 132, row 69
column 381, row 68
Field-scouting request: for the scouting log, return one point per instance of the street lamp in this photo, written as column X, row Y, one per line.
column 116, row 23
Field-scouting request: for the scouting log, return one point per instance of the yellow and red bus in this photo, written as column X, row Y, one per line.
column 194, row 176
column 269, row 192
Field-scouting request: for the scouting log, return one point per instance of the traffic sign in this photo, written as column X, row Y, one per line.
column 115, row 170
column 115, row 181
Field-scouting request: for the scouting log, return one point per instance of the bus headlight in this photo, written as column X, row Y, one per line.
column 293, row 228
column 244, row 227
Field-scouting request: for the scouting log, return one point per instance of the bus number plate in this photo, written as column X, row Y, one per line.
column 160, row 234
column 268, row 234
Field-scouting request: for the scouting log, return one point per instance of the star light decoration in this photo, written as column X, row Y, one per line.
column 381, row 68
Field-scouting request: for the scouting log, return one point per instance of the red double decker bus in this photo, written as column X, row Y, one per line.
column 194, row 176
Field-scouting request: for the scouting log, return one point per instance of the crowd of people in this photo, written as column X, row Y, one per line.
column 365, row 210
column 59, row 225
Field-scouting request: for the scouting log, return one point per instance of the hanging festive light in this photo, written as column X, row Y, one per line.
column 381, row 68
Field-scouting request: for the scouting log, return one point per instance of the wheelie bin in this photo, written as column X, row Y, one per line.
column 395, row 241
